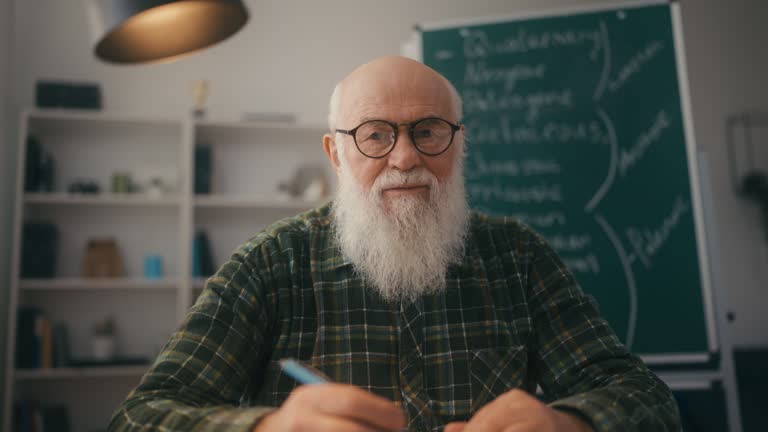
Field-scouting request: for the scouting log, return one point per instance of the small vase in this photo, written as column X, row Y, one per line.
column 103, row 347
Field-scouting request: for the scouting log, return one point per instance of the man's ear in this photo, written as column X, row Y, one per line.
column 329, row 145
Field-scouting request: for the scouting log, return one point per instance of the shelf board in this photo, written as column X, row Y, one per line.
column 275, row 125
column 64, row 284
column 247, row 201
column 101, row 116
column 138, row 200
column 84, row 372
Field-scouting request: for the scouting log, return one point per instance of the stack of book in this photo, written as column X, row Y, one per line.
column 40, row 344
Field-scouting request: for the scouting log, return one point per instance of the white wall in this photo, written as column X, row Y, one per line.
column 727, row 66
column 6, row 168
column 292, row 52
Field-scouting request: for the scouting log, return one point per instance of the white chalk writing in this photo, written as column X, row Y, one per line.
column 479, row 166
column 647, row 242
column 478, row 74
column 541, row 220
column 629, row 157
column 567, row 132
column 604, row 74
column 569, row 242
column 482, row 101
column 477, row 44
column 540, row 167
column 502, row 131
column 611, row 174
column 538, row 194
column 635, row 64
column 588, row 264
column 629, row 274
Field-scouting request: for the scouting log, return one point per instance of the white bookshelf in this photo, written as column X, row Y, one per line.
column 249, row 161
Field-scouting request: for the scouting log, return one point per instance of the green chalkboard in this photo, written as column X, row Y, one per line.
column 575, row 124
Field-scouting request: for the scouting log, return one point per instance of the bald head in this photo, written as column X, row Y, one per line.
column 400, row 83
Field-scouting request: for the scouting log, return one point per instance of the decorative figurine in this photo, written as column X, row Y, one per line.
column 200, row 93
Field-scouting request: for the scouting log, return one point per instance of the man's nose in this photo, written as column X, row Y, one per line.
column 404, row 156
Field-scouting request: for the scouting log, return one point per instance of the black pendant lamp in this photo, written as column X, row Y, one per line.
column 142, row 31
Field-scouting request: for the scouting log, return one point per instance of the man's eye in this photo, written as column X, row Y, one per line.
column 422, row 133
column 375, row 136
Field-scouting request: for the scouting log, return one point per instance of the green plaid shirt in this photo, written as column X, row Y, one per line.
column 512, row 316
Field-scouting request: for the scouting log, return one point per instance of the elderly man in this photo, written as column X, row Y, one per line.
column 425, row 315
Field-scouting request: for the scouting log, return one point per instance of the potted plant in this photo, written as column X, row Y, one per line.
column 103, row 342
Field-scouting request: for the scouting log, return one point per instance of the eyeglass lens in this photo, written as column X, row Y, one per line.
column 375, row 138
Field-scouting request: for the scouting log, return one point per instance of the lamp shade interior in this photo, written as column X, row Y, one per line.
column 145, row 31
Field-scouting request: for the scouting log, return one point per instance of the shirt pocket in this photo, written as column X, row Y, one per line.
column 495, row 371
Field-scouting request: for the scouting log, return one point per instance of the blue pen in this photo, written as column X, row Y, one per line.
column 301, row 373
column 306, row 374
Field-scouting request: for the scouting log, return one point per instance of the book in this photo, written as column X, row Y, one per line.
column 61, row 356
column 202, row 257
column 26, row 337
column 46, row 344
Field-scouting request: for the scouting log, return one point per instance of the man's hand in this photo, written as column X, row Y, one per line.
column 518, row 411
column 334, row 408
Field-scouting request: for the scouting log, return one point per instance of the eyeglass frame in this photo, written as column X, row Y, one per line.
column 396, row 127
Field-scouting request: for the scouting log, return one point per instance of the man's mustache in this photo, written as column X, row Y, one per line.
column 395, row 178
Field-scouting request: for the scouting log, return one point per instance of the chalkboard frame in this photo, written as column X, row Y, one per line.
column 414, row 48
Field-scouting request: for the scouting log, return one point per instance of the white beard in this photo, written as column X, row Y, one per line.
column 402, row 249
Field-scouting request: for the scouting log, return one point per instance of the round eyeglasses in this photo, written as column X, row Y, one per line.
column 376, row 138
